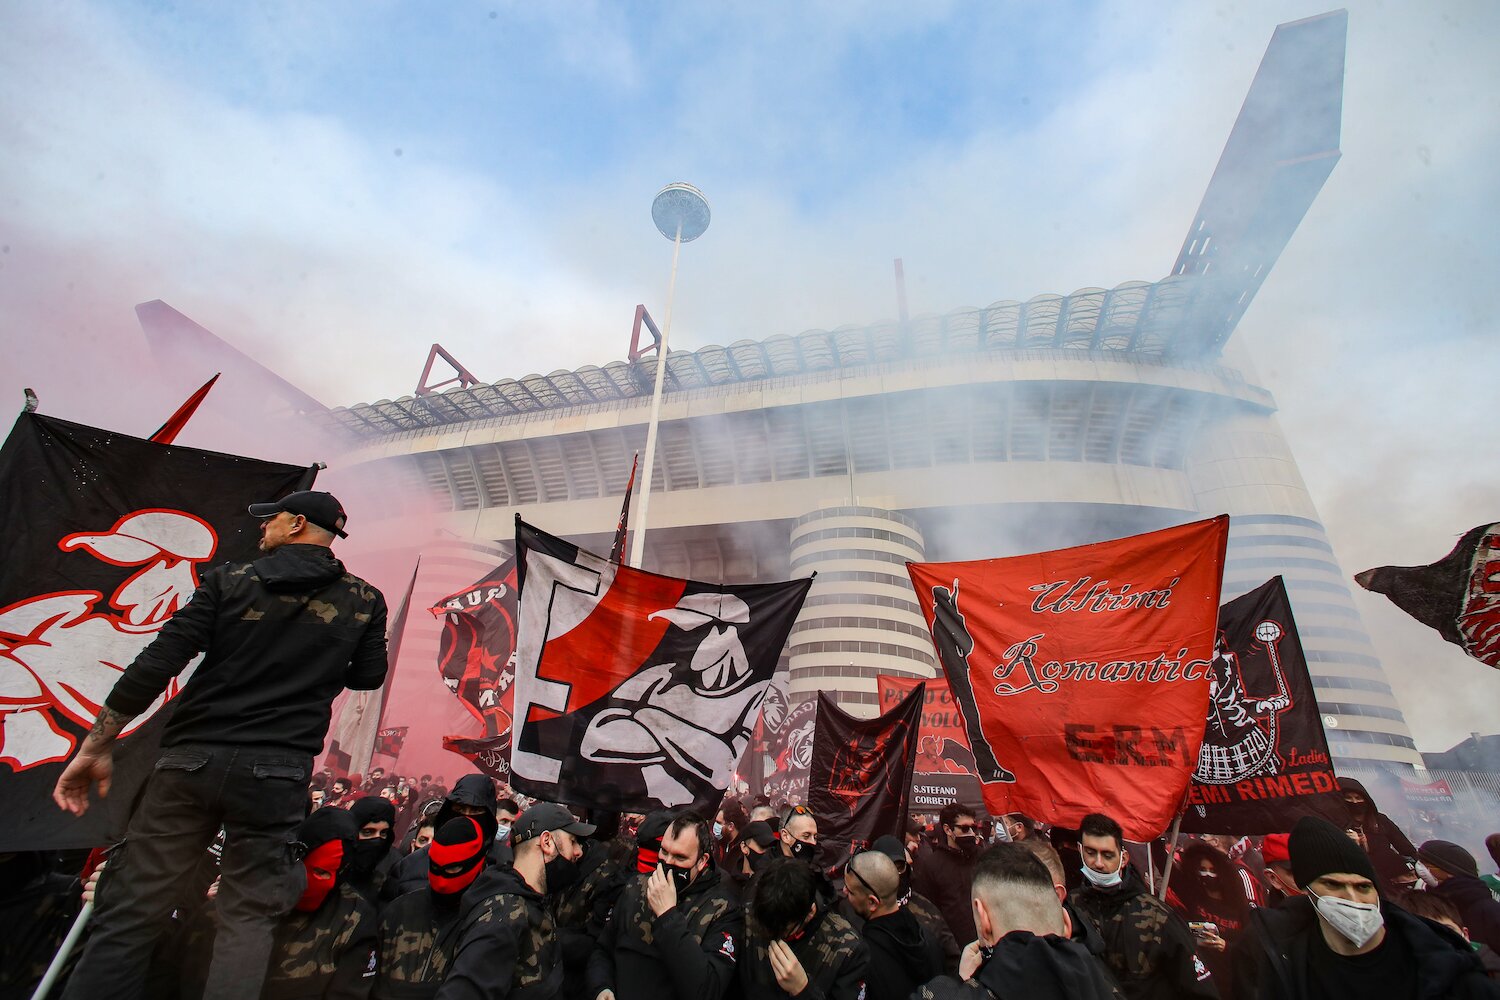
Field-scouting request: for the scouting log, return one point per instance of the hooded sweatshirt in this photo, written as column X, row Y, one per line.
column 902, row 955
column 1388, row 846
column 281, row 637
column 476, row 790
column 507, row 945
column 1037, row 968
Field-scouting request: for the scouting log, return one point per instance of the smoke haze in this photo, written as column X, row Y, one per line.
column 332, row 188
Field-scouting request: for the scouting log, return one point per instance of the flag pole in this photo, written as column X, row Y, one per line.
column 1166, row 874
column 59, row 960
column 681, row 214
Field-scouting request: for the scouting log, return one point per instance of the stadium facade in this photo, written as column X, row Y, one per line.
column 983, row 432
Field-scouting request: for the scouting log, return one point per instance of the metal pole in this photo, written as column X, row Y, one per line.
column 1171, row 856
column 60, row 959
column 638, row 543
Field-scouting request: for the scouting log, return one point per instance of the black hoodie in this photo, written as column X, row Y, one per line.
column 476, row 790
column 1387, row 846
column 902, row 955
column 281, row 637
column 1023, row 964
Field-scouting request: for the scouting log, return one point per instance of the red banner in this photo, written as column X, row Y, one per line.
column 1082, row 675
column 942, row 745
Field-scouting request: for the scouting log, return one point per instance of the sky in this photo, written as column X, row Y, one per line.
column 333, row 187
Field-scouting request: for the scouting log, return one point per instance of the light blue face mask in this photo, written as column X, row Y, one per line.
column 718, row 831
column 502, row 832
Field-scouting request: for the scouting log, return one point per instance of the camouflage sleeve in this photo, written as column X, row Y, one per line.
column 368, row 667
column 703, row 970
column 354, row 976
column 184, row 636
column 849, row 984
column 1182, row 967
column 484, row 966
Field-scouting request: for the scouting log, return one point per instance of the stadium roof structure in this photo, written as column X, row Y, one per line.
column 1282, row 148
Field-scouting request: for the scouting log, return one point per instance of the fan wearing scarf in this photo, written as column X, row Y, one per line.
column 1343, row 940
column 326, row 947
column 419, row 930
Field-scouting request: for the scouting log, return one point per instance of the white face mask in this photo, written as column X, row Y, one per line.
column 1104, row 881
column 1425, row 874
column 1356, row 922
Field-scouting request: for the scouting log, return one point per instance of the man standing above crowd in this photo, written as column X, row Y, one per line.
column 1023, row 948
column 507, row 944
column 676, row 931
column 945, row 867
column 281, row 637
column 1342, row 940
column 902, row 955
column 1148, row 947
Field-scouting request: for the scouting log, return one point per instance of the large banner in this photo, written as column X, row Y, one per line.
column 636, row 691
column 790, row 751
column 106, row 536
column 1265, row 760
column 1459, row 595
column 477, row 660
column 1081, row 675
column 859, row 785
column 945, row 764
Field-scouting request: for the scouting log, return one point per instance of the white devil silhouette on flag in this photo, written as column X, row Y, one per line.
column 107, row 536
column 636, row 691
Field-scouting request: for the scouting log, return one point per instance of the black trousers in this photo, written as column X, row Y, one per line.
column 257, row 794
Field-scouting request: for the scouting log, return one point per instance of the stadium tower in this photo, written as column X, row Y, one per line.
column 982, row 432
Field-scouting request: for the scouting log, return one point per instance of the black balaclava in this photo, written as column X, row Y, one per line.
column 366, row 854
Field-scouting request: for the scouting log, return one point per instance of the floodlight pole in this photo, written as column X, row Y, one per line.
column 681, row 211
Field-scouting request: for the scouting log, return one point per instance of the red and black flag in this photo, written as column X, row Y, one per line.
column 1459, row 595
column 1081, row 675
column 636, row 691
column 859, row 784
column 477, row 650
column 107, row 536
column 390, row 741
column 617, row 550
column 1264, row 760
column 491, row 754
column 944, row 771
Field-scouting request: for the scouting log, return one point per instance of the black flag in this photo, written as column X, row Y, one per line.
column 1459, row 595
column 1265, row 759
column 859, row 784
column 106, row 536
column 636, row 691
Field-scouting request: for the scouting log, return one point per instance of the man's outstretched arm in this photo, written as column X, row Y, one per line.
column 94, row 763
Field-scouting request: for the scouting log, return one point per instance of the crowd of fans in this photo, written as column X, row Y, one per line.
column 415, row 889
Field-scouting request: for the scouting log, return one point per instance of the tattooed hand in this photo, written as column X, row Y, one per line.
column 94, row 764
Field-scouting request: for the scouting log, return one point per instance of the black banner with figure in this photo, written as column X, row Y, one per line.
column 1265, row 759
column 859, row 782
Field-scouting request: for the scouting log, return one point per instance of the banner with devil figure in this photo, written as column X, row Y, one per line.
column 106, row 536
column 477, row 660
column 1082, row 674
column 636, row 691
column 1459, row 595
column 859, row 785
column 1265, row 759
column 944, row 771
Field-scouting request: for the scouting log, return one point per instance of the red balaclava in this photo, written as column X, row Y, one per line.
column 460, row 841
column 325, row 834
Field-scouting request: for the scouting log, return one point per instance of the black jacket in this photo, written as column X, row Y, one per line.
column 1037, row 968
column 1148, row 948
column 1276, row 967
column 1475, row 904
column 507, row 945
column 281, row 637
column 1388, row 847
column 418, row 938
column 945, row 875
column 932, row 922
column 903, row 955
column 687, row 953
column 581, row 912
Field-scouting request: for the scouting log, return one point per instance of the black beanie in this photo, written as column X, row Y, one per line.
column 373, row 809
column 1319, row 848
column 328, row 823
column 1449, row 857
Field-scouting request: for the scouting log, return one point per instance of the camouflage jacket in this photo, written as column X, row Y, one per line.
column 281, row 637
column 834, row 957
column 418, row 938
column 1148, row 948
column 507, row 943
column 691, row 948
column 581, row 912
column 329, row 953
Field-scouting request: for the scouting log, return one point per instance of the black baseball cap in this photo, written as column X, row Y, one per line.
column 545, row 816
column 322, row 509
